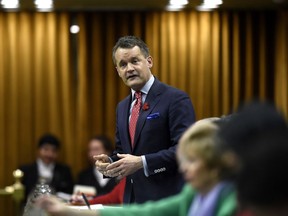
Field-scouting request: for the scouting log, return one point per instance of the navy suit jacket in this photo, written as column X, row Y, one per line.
column 158, row 130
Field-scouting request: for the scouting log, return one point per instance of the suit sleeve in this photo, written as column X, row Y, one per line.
column 180, row 116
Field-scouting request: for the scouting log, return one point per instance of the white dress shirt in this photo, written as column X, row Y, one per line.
column 45, row 171
column 144, row 92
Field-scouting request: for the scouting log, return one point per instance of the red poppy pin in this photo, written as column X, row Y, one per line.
column 145, row 106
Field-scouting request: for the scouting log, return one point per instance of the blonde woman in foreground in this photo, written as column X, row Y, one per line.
column 206, row 192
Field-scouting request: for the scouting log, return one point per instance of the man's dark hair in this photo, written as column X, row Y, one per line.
column 250, row 120
column 48, row 139
column 258, row 136
column 262, row 180
column 128, row 42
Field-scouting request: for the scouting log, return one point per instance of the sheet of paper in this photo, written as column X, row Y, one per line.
column 64, row 196
column 84, row 207
column 88, row 190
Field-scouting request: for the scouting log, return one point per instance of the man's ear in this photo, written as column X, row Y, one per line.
column 150, row 61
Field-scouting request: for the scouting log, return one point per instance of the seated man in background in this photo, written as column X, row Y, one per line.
column 46, row 169
column 207, row 192
column 91, row 176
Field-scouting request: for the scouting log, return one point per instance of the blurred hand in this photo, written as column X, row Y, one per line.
column 77, row 199
column 52, row 205
column 127, row 165
column 102, row 161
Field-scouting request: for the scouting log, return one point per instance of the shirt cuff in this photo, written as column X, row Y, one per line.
column 145, row 166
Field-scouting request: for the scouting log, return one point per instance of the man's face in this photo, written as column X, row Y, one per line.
column 48, row 153
column 133, row 67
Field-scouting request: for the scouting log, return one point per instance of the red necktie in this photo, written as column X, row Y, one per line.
column 134, row 116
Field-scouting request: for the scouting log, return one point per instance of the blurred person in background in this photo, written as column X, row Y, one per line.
column 46, row 169
column 91, row 176
column 99, row 144
column 255, row 144
column 114, row 197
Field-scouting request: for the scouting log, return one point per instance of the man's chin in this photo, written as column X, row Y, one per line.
column 135, row 84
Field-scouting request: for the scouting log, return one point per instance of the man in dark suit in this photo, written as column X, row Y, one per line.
column 146, row 157
column 45, row 169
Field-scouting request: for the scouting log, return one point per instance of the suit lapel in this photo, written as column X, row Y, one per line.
column 35, row 173
column 124, row 123
column 152, row 99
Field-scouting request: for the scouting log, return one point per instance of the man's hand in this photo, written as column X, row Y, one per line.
column 127, row 165
column 102, row 161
